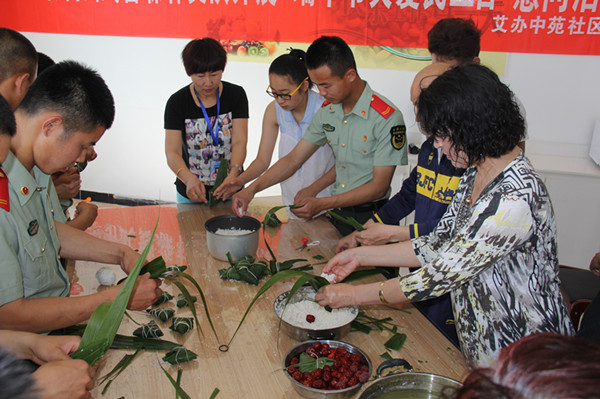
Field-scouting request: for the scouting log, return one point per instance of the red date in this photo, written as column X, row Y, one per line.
column 310, row 318
column 347, row 371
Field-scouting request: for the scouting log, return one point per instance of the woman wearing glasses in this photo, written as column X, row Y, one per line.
column 290, row 113
column 205, row 122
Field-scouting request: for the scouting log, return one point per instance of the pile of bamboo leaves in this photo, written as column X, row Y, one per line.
column 100, row 334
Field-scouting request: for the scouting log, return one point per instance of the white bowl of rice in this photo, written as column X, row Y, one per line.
column 304, row 319
column 233, row 234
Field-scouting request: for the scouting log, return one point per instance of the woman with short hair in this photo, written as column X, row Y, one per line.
column 206, row 122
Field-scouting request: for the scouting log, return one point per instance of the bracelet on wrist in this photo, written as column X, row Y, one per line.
column 179, row 170
column 239, row 167
column 381, row 295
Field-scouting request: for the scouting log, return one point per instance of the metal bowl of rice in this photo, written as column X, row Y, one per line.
column 326, row 325
column 233, row 234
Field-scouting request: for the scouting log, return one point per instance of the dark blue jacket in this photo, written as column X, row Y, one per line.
column 427, row 191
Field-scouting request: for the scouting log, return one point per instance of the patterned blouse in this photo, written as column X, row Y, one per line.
column 498, row 260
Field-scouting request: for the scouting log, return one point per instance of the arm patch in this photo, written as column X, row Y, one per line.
column 398, row 136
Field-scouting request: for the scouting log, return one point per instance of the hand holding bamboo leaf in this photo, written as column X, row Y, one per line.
column 106, row 319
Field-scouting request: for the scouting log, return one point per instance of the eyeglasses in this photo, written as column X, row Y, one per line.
column 284, row 97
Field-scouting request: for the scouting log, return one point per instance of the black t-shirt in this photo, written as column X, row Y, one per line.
column 200, row 154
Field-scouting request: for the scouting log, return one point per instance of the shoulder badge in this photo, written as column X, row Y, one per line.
column 381, row 107
column 398, row 136
column 325, row 103
column 4, row 202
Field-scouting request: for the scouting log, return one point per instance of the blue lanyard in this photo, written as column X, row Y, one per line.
column 214, row 132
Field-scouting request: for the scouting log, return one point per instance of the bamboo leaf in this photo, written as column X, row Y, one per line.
column 318, row 257
column 188, row 297
column 215, row 393
column 182, row 324
column 155, row 267
column 106, row 319
column 118, row 369
column 182, row 302
column 129, row 342
column 272, row 221
column 268, row 284
column 309, row 364
column 265, row 223
column 178, row 390
column 361, row 327
column 176, row 268
column 358, row 274
column 272, row 212
column 165, row 297
column 179, row 375
column 386, row 356
column 131, row 318
column 221, row 175
column 348, row 220
column 396, row 342
column 150, row 330
column 162, row 314
column 179, row 355
column 126, row 342
column 202, row 298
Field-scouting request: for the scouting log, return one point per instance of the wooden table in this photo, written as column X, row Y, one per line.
column 252, row 367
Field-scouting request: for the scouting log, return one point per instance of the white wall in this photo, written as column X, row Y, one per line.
column 560, row 94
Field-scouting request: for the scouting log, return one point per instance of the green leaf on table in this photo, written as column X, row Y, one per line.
column 127, row 342
column 182, row 324
column 182, row 302
column 118, row 369
column 386, row 356
column 221, row 175
column 179, row 355
column 189, row 299
column 150, row 330
column 361, row 327
column 309, row 364
column 202, row 298
column 348, row 220
column 396, row 342
column 162, row 314
column 215, row 392
column 318, row 257
column 106, row 319
column 179, row 392
column 165, row 297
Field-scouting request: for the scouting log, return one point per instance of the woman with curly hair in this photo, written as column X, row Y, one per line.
column 494, row 250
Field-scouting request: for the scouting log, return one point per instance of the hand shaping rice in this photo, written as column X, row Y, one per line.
column 232, row 232
column 295, row 314
column 329, row 277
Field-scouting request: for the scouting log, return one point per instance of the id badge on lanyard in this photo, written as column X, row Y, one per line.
column 214, row 131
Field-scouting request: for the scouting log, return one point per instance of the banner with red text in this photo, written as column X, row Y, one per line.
column 529, row 26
